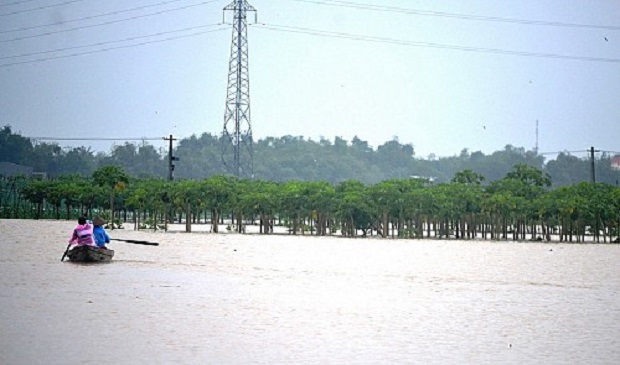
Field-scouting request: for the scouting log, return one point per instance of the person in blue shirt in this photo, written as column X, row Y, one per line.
column 101, row 237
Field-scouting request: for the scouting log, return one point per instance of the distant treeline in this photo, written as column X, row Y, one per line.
column 295, row 158
column 520, row 206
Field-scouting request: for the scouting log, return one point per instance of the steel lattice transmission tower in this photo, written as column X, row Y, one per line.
column 237, row 143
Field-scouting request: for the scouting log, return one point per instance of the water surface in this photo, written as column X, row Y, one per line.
column 248, row 299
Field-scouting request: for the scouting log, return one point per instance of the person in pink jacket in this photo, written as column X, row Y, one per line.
column 83, row 233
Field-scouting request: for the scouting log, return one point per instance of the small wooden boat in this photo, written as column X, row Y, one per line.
column 90, row 254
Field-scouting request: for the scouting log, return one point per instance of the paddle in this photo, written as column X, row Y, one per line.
column 66, row 252
column 136, row 242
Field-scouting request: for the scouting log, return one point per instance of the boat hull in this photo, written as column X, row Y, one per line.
column 90, row 254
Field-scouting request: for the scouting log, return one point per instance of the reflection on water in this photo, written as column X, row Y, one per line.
column 235, row 299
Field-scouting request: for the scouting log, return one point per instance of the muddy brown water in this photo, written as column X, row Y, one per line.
column 203, row 298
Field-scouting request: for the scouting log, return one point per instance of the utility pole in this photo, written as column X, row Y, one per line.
column 536, row 147
column 592, row 175
column 237, row 142
column 171, row 158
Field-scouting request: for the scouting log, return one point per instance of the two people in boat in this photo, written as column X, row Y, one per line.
column 90, row 233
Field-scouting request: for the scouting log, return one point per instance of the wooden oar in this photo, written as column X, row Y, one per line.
column 66, row 252
column 136, row 242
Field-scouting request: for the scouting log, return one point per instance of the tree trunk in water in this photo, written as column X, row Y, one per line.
column 295, row 224
column 214, row 221
column 352, row 228
column 266, row 221
column 385, row 224
column 112, row 209
column 166, row 208
column 240, row 228
column 188, row 217
column 428, row 228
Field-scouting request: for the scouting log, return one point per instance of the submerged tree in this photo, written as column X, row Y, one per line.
column 114, row 180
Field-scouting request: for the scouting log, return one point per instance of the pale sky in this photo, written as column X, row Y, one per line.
column 378, row 69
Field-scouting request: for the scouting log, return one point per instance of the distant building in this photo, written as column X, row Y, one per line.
column 615, row 162
column 8, row 169
column 430, row 179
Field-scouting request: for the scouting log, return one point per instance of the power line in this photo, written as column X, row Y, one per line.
column 17, row 2
column 407, row 11
column 578, row 151
column 89, row 17
column 358, row 37
column 107, row 23
column 109, row 48
column 39, row 8
column 107, row 42
column 96, row 139
column 560, row 152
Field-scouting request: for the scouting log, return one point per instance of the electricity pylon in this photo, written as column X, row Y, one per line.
column 237, row 143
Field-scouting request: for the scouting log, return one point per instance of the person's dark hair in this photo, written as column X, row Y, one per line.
column 81, row 220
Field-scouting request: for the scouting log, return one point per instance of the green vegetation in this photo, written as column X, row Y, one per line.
column 320, row 188
column 522, row 205
column 295, row 158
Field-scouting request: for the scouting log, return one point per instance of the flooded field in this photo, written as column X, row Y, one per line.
column 204, row 298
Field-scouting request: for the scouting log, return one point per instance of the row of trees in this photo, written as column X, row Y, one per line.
column 295, row 158
column 520, row 206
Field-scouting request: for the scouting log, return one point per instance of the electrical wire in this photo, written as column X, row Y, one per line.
column 579, row 151
column 393, row 9
column 89, row 17
column 108, row 42
column 559, row 152
column 40, row 7
column 110, row 48
column 17, row 2
column 108, row 22
column 96, row 139
column 358, row 37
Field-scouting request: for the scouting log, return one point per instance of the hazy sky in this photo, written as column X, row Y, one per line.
column 441, row 75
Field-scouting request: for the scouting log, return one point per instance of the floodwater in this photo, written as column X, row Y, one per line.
column 203, row 298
